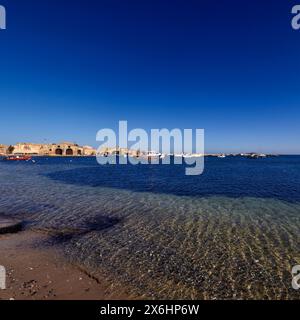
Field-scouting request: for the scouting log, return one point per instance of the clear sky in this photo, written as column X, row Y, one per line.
column 70, row 68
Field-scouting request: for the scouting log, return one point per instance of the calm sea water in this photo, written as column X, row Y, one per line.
column 233, row 232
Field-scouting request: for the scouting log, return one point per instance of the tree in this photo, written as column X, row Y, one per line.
column 10, row 149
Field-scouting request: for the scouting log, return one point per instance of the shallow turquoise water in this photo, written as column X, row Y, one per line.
column 233, row 232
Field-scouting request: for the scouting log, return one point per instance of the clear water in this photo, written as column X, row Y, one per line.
column 233, row 232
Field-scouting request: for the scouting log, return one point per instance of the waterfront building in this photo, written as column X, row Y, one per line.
column 3, row 149
column 54, row 149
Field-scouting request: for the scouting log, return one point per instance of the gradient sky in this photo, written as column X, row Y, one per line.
column 70, row 68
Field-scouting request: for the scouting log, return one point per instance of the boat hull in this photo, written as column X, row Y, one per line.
column 21, row 158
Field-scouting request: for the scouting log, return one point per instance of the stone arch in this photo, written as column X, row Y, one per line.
column 69, row 152
column 79, row 152
column 59, row 152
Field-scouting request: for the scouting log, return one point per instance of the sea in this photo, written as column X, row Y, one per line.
column 231, row 233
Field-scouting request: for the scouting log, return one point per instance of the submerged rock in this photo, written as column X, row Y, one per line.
column 8, row 225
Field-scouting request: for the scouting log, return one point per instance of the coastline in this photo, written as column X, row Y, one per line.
column 34, row 272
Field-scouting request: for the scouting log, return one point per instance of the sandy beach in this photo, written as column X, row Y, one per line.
column 36, row 273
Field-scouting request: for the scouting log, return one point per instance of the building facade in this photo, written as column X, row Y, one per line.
column 3, row 149
column 54, row 149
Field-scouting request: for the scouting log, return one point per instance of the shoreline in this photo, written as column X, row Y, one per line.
column 37, row 273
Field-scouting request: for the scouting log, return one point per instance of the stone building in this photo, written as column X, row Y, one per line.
column 3, row 149
column 65, row 149
column 89, row 151
column 54, row 149
column 28, row 149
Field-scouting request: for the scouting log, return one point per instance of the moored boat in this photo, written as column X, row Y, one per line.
column 18, row 158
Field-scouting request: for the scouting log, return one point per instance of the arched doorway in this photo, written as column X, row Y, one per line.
column 79, row 153
column 69, row 152
column 59, row 152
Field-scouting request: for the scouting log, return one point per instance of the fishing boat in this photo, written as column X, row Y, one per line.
column 256, row 156
column 18, row 158
column 153, row 154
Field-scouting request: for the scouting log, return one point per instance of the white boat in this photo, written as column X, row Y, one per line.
column 222, row 156
column 153, row 154
column 188, row 155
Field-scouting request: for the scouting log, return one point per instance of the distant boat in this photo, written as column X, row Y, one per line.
column 153, row 154
column 256, row 156
column 222, row 156
column 18, row 158
column 188, row 155
column 183, row 155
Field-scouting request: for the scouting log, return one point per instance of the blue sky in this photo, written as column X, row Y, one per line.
column 68, row 69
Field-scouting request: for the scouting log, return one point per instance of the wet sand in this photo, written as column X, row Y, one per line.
column 36, row 273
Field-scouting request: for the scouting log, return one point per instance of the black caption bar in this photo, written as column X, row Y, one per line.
column 98, row 310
